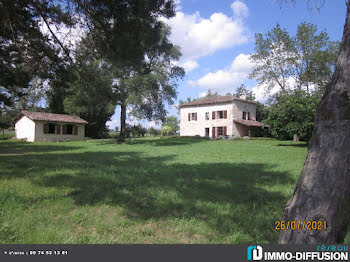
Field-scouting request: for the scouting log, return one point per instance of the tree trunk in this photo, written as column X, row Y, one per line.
column 323, row 190
column 295, row 138
column 122, row 123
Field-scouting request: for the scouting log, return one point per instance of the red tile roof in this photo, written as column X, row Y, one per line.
column 213, row 100
column 249, row 122
column 40, row 116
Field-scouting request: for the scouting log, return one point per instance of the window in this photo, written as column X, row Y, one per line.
column 220, row 130
column 244, row 115
column 52, row 128
column 207, row 116
column 192, row 116
column 207, row 131
column 248, row 115
column 221, row 114
column 49, row 128
column 69, row 129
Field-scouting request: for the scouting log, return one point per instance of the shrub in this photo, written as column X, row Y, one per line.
column 167, row 131
column 153, row 132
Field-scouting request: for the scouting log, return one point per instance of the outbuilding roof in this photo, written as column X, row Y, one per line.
column 41, row 116
column 250, row 123
column 214, row 100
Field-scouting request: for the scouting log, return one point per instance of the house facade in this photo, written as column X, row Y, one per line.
column 218, row 116
column 47, row 127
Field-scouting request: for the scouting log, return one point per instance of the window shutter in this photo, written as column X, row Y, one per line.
column 75, row 130
column 213, row 115
column 64, row 129
column 213, row 132
column 189, row 116
column 225, row 114
column 195, row 116
column 46, row 128
column 225, row 130
column 248, row 115
column 58, row 129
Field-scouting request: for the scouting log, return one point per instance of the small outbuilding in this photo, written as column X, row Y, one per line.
column 39, row 126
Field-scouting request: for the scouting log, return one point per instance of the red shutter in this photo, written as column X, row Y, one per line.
column 225, row 130
column 75, row 130
column 225, row 114
column 58, row 129
column 213, row 115
column 189, row 116
column 213, row 132
column 46, row 128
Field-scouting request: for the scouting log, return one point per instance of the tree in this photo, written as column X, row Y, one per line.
column 25, row 51
column 273, row 58
column 308, row 58
column 245, row 93
column 146, row 92
column 153, row 131
column 322, row 192
column 293, row 115
column 262, row 111
column 90, row 93
column 170, row 126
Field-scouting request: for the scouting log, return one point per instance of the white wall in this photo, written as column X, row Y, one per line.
column 238, row 108
column 40, row 136
column 234, row 111
column 25, row 128
column 192, row 128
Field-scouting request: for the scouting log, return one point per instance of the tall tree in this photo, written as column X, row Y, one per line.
column 307, row 57
column 245, row 93
column 90, row 91
column 323, row 189
column 25, row 52
column 145, row 92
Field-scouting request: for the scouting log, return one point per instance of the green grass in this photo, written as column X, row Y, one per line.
column 151, row 190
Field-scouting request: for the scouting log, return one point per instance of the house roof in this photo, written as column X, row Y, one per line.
column 249, row 122
column 41, row 116
column 214, row 100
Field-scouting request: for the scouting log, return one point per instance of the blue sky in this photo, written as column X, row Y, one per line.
column 216, row 38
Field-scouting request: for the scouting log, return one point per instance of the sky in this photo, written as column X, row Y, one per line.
column 216, row 38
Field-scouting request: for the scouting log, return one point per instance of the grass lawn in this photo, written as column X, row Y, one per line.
column 151, row 190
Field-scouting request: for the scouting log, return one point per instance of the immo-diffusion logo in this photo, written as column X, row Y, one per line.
column 254, row 253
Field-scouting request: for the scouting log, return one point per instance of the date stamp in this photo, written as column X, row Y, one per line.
column 300, row 225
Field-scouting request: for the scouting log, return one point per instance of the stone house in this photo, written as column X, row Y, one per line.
column 219, row 116
column 39, row 126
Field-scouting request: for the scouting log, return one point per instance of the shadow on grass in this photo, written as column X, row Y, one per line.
column 228, row 197
column 13, row 147
column 166, row 141
column 294, row 145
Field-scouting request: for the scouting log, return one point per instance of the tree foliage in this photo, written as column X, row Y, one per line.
column 25, row 51
column 308, row 58
column 293, row 114
column 170, row 126
column 245, row 93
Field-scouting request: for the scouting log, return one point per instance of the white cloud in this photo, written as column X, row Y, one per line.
column 189, row 65
column 239, row 9
column 225, row 80
column 198, row 36
column 113, row 123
